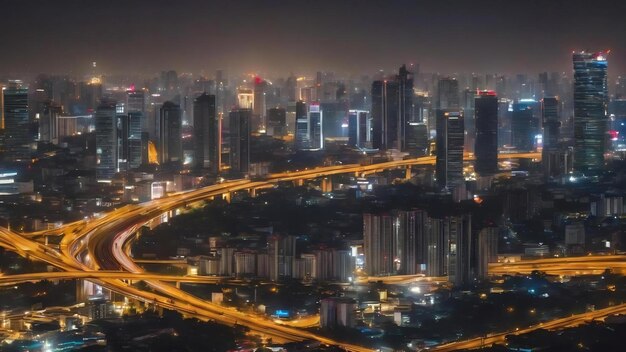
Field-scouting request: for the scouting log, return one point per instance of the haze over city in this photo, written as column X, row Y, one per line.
column 308, row 176
column 278, row 37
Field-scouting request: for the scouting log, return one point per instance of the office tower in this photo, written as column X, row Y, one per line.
column 416, row 139
column 90, row 94
column 468, row 103
column 448, row 94
column 239, row 129
column 207, row 134
column 405, row 104
column 385, row 115
column 281, row 251
column 290, row 88
column 590, row 105
column 524, row 124
column 259, row 107
column 302, row 126
column 316, row 126
column 132, row 143
column 49, row 123
column 245, row 98
column 16, row 123
column 450, row 140
column 487, row 250
column 334, row 118
column 170, row 134
column 136, row 101
column 552, row 156
column 359, row 134
column 392, row 109
column 486, row 148
column 107, row 146
column 277, row 122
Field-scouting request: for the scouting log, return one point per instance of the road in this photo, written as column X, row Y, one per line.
column 96, row 245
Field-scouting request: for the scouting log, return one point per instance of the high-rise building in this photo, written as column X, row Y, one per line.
column 590, row 110
column 281, row 251
column 170, row 134
column 337, row 312
column 316, row 126
column 448, row 94
column 359, row 129
column 277, row 122
column 486, row 148
column 417, row 139
column 136, row 101
column 207, row 134
column 552, row 155
column 379, row 246
column 16, row 122
column 239, row 129
column 449, row 248
column 302, row 126
column 395, row 243
column 107, row 146
column 131, row 142
column 524, row 124
column 259, row 109
column 487, row 250
column 49, row 122
column 392, row 109
column 450, row 141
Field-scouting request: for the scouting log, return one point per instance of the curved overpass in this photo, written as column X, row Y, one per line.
column 96, row 245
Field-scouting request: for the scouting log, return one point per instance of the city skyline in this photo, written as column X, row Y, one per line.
column 281, row 37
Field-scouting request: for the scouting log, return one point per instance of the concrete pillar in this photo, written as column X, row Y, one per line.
column 252, row 192
column 226, row 196
column 407, row 174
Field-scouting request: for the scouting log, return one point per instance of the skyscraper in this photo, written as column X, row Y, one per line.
column 302, row 126
column 107, row 146
column 486, row 148
column 316, row 125
column 392, row 109
column 131, row 141
column 170, row 134
column 239, row 129
column 524, row 124
column 16, row 122
column 259, row 109
column 448, row 94
column 450, row 140
column 207, row 134
column 277, row 122
column 590, row 110
column 49, row 122
column 359, row 129
column 552, row 156
column 379, row 245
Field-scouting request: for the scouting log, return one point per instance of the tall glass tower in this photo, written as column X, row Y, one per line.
column 16, row 122
column 590, row 110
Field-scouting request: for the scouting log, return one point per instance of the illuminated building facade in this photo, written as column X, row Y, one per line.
column 450, row 141
column 590, row 110
column 486, row 122
column 207, row 135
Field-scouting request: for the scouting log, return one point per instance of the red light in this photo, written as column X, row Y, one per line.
column 258, row 80
column 132, row 87
column 614, row 134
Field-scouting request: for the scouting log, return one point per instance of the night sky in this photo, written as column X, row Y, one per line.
column 278, row 37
